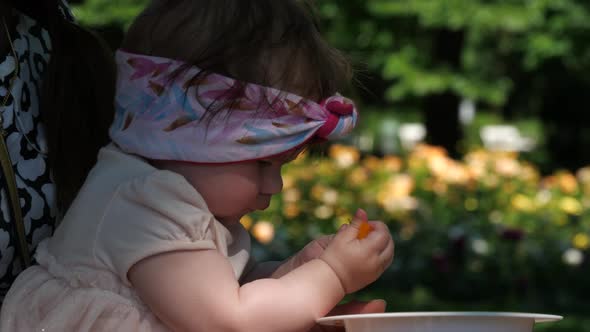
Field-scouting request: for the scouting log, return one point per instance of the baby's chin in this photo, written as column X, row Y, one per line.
column 229, row 220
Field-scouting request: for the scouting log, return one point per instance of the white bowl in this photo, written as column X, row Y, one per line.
column 439, row 322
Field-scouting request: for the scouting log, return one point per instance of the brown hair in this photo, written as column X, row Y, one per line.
column 268, row 42
column 77, row 97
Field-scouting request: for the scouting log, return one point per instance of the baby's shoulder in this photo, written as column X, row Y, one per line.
column 119, row 178
column 159, row 185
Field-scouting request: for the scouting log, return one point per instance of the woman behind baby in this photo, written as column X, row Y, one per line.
column 213, row 98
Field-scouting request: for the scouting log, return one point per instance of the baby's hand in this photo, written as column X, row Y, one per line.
column 359, row 262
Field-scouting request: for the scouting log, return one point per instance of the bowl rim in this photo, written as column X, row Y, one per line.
column 339, row 320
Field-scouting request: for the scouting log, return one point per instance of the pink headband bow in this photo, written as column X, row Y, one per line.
column 160, row 114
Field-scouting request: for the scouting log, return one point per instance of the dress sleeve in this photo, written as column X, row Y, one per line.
column 151, row 215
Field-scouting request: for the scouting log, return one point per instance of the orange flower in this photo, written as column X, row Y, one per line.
column 364, row 229
column 567, row 182
column 372, row 163
column 263, row 231
column 344, row 156
column 428, row 151
column 358, row 176
column 507, row 167
column 291, row 210
column 392, row 163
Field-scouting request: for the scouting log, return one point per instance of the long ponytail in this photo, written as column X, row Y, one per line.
column 77, row 97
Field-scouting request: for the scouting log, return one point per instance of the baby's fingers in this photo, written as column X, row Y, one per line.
column 351, row 231
column 379, row 237
column 387, row 254
column 359, row 217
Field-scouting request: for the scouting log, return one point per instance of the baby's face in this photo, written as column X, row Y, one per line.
column 233, row 190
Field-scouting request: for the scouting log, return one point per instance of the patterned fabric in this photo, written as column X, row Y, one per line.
column 26, row 141
column 161, row 113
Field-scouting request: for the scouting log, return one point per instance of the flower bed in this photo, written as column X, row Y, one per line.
column 488, row 229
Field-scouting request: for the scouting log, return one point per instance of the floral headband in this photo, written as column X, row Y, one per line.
column 161, row 114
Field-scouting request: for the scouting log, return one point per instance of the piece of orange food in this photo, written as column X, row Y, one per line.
column 364, row 229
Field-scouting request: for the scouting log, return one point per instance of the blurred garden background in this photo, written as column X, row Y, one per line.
column 474, row 147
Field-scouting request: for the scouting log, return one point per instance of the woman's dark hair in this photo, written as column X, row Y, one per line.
column 268, row 42
column 77, row 96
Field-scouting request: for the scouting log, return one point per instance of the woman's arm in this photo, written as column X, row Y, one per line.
column 197, row 291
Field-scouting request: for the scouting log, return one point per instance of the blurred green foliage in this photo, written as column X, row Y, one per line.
column 501, row 38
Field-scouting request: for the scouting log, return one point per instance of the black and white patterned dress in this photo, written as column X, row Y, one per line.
column 27, row 145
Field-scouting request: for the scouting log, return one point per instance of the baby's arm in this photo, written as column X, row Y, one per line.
column 277, row 269
column 197, row 290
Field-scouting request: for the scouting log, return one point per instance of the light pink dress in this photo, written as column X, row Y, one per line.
column 126, row 211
